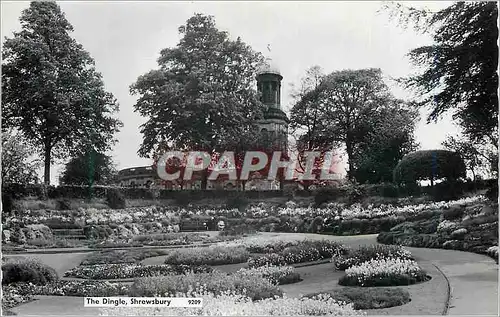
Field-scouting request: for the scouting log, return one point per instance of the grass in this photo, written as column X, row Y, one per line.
column 121, row 256
column 369, row 298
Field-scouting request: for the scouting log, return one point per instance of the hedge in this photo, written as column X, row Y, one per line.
column 19, row 191
column 429, row 164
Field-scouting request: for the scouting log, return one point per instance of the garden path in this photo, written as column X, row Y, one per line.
column 473, row 279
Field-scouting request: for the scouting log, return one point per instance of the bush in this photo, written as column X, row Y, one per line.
column 215, row 282
column 208, row 256
column 63, row 204
column 29, row 271
column 429, row 164
column 492, row 192
column 115, row 199
column 239, row 202
column 7, row 201
column 369, row 298
column 455, row 212
column 324, row 195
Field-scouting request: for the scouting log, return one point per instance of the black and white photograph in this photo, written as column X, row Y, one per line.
column 249, row 158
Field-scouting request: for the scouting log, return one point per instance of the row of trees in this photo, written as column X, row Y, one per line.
column 202, row 95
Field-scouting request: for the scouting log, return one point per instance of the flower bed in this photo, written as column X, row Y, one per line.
column 208, row 256
column 369, row 298
column 305, row 251
column 120, row 256
column 70, row 288
column 277, row 275
column 367, row 253
column 383, row 272
column 125, row 270
column 254, row 286
column 238, row 305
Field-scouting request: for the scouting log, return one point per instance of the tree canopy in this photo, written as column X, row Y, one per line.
column 17, row 165
column 459, row 70
column 203, row 93
column 88, row 169
column 354, row 109
column 51, row 90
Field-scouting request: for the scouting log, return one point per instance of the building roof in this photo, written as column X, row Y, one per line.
column 269, row 67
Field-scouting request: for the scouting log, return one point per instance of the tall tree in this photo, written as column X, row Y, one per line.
column 477, row 157
column 203, row 93
column 88, row 169
column 51, row 89
column 17, row 165
column 459, row 70
column 307, row 123
column 351, row 98
column 390, row 136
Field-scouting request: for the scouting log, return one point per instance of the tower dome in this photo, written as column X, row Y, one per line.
column 269, row 67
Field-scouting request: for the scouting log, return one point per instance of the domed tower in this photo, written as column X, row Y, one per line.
column 274, row 126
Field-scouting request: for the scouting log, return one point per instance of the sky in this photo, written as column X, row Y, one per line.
column 125, row 39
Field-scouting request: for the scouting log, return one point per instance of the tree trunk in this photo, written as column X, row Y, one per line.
column 350, row 160
column 204, row 179
column 46, row 171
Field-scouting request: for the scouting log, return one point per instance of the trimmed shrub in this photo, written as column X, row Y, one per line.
column 429, row 164
column 29, row 271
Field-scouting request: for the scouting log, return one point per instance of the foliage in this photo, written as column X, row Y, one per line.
column 208, row 256
column 27, row 270
column 115, row 199
column 130, row 270
column 464, row 51
column 304, row 251
column 353, row 98
column 51, row 90
column 16, row 166
column 216, row 282
column 367, row 253
column 383, row 272
column 229, row 304
column 369, row 298
column 89, row 169
column 277, row 275
column 429, row 165
column 199, row 82
column 120, row 256
column 389, row 136
column 69, row 288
